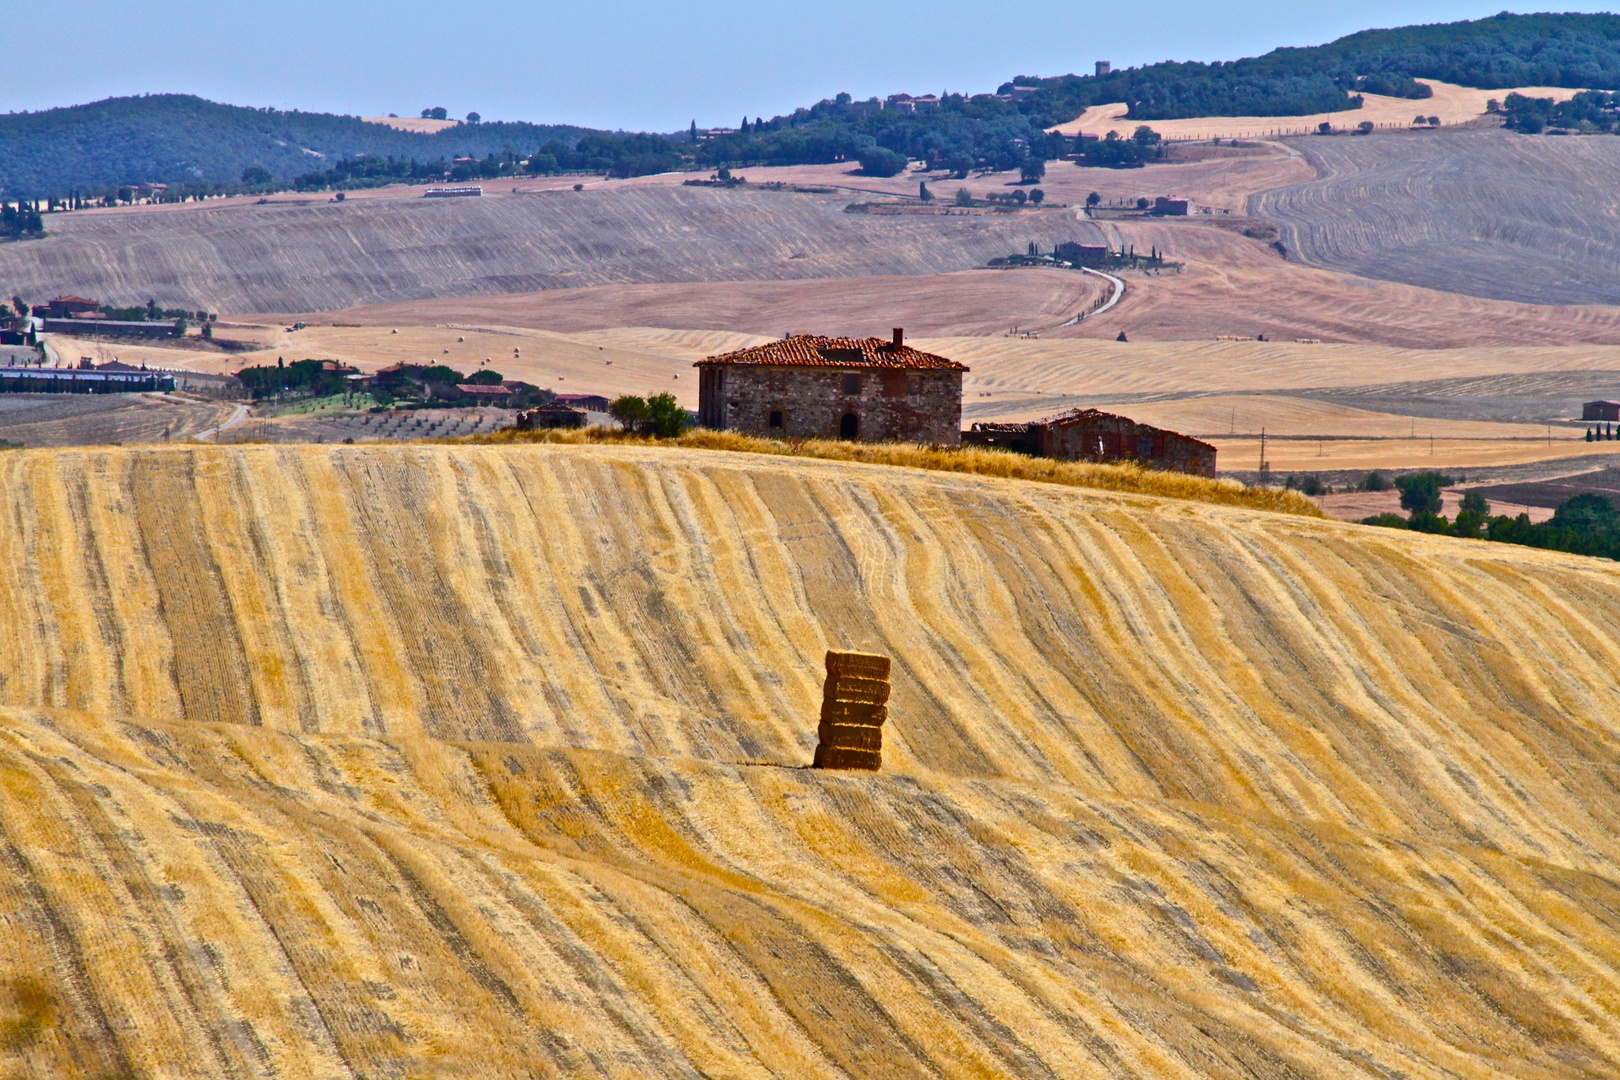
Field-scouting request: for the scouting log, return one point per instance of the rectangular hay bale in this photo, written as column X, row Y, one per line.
column 853, row 688
column 850, row 737
column 860, row 665
column 845, row 712
column 833, row 757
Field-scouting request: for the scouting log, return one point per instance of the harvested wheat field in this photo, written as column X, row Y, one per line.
column 1487, row 213
column 1280, row 414
column 420, row 124
column 1011, row 366
column 303, row 256
column 1232, row 284
column 1213, row 176
column 966, row 304
column 1306, row 455
column 472, row 761
column 74, row 419
column 1451, row 103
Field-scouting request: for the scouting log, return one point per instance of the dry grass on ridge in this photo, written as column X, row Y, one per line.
column 974, row 460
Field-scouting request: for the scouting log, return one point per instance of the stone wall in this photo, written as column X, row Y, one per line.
column 923, row 406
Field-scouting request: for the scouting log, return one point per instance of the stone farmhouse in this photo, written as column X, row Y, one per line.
column 1092, row 435
column 822, row 387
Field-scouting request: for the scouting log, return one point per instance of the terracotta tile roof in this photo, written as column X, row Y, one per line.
column 808, row 350
column 482, row 389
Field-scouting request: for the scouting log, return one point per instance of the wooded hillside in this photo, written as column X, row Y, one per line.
column 179, row 139
column 182, row 139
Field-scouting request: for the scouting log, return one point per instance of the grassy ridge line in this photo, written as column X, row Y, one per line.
column 973, row 460
column 410, row 907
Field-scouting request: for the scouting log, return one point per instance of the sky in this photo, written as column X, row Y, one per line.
column 641, row 65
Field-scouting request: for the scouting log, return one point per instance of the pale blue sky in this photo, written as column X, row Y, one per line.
column 636, row 64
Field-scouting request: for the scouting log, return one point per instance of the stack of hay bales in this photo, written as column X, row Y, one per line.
column 854, row 704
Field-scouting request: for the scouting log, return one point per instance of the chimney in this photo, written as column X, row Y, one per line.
column 899, row 336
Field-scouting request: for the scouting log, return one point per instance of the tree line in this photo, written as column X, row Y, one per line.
column 1591, row 111
column 1501, row 51
column 200, row 148
column 1583, row 525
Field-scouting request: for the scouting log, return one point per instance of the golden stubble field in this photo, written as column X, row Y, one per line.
column 1451, row 103
column 1211, row 388
column 474, row 760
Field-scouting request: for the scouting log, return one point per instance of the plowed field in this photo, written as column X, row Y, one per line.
column 308, row 256
column 474, row 761
column 1488, row 213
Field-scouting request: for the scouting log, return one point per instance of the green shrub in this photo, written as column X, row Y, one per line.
column 876, row 161
column 660, row 416
column 1420, row 492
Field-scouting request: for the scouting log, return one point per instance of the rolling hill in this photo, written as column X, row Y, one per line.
column 181, row 139
column 320, row 255
column 468, row 760
column 184, row 139
column 1489, row 213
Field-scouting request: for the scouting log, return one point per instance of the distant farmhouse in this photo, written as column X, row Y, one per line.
column 1601, row 410
column 1072, row 251
column 110, row 328
column 822, row 387
column 1091, row 435
column 70, row 307
column 77, row 315
column 470, row 191
column 589, row 402
column 107, row 379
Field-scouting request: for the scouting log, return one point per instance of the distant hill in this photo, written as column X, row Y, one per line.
column 964, row 131
column 1501, row 51
column 181, row 139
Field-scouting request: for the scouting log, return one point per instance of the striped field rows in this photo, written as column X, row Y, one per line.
column 471, row 761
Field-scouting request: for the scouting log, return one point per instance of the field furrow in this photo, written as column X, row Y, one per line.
column 490, row 761
column 1486, row 213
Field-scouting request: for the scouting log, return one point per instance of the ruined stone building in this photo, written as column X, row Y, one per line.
column 1092, row 435
column 838, row 388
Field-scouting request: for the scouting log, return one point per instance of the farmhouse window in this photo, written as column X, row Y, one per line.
column 1144, row 446
column 776, row 419
column 852, row 382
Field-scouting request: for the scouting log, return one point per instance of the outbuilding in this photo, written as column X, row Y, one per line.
column 1093, row 435
column 807, row 386
column 1601, row 410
